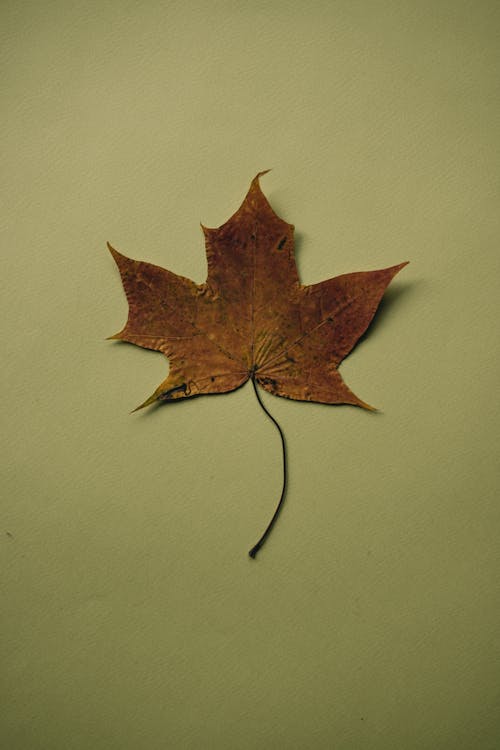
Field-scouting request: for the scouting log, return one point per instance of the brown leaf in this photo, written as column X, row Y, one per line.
column 252, row 318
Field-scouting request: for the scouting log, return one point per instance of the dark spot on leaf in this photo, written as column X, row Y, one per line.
column 281, row 243
column 268, row 381
column 168, row 394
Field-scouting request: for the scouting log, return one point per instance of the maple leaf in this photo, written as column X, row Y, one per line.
column 252, row 318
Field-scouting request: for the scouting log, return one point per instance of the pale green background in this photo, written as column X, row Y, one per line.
column 132, row 617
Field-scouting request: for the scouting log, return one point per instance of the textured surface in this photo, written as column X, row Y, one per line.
column 131, row 616
column 252, row 316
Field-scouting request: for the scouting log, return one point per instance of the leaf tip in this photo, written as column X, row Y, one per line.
column 255, row 182
column 147, row 402
column 137, row 408
column 400, row 266
column 261, row 174
column 207, row 230
column 116, row 255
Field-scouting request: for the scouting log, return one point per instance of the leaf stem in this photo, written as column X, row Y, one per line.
column 264, row 536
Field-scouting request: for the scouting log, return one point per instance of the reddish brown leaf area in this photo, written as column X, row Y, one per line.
column 252, row 317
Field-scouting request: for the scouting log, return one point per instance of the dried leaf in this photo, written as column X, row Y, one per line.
column 252, row 318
